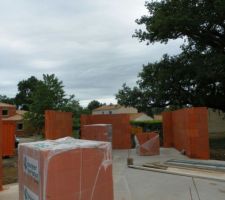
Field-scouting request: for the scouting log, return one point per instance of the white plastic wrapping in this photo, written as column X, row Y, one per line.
column 65, row 169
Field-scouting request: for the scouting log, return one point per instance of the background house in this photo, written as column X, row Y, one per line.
column 114, row 109
column 140, row 117
column 8, row 113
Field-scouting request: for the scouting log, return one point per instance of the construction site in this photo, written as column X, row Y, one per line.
column 113, row 159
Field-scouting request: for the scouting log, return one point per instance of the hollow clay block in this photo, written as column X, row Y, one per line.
column 65, row 169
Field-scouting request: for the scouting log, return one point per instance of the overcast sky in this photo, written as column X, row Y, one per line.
column 87, row 44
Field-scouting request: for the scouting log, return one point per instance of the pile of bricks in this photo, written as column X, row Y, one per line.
column 149, row 144
column 65, row 169
column 121, row 128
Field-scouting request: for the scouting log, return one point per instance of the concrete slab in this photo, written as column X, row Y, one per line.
column 10, row 192
column 131, row 184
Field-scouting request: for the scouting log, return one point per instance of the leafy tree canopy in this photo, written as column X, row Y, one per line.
column 196, row 76
column 49, row 94
column 94, row 104
column 201, row 21
column 25, row 90
column 5, row 99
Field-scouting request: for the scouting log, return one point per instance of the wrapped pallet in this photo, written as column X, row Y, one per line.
column 65, row 169
column 148, row 144
column 98, row 132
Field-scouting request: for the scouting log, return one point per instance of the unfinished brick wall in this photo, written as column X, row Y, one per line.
column 58, row 124
column 8, row 138
column 121, row 128
column 1, row 167
column 187, row 129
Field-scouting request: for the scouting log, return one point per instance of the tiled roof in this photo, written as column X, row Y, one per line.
column 6, row 105
column 21, row 112
column 14, row 118
column 134, row 116
column 17, row 117
column 110, row 107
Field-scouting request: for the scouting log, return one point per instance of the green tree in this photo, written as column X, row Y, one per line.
column 5, row 99
column 202, row 22
column 196, row 76
column 48, row 94
column 93, row 104
column 25, row 89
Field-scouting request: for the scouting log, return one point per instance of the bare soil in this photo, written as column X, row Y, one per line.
column 10, row 170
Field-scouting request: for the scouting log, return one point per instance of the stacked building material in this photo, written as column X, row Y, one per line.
column 58, row 124
column 98, row 132
column 148, row 144
column 121, row 128
column 67, row 169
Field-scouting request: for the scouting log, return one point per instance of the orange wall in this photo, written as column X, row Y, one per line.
column 187, row 129
column 1, row 173
column 58, row 124
column 121, row 128
column 8, row 138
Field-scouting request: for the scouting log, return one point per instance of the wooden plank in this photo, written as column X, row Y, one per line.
column 183, row 172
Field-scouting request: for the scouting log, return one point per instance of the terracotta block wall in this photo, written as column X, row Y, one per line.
column 8, row 138
column 187, row 129
column 98, row 132
column 121, row 128
column 1, row 167
column 58, row 124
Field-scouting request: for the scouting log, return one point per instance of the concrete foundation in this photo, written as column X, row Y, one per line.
column 132, row 184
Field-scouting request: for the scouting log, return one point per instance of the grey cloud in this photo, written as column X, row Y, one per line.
column 87, row 44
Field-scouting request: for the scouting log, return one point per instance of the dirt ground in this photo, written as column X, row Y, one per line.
column 10, row 170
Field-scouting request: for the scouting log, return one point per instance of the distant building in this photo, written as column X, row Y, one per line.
column 113, row 109
column 140, row 117
column 8, row 112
